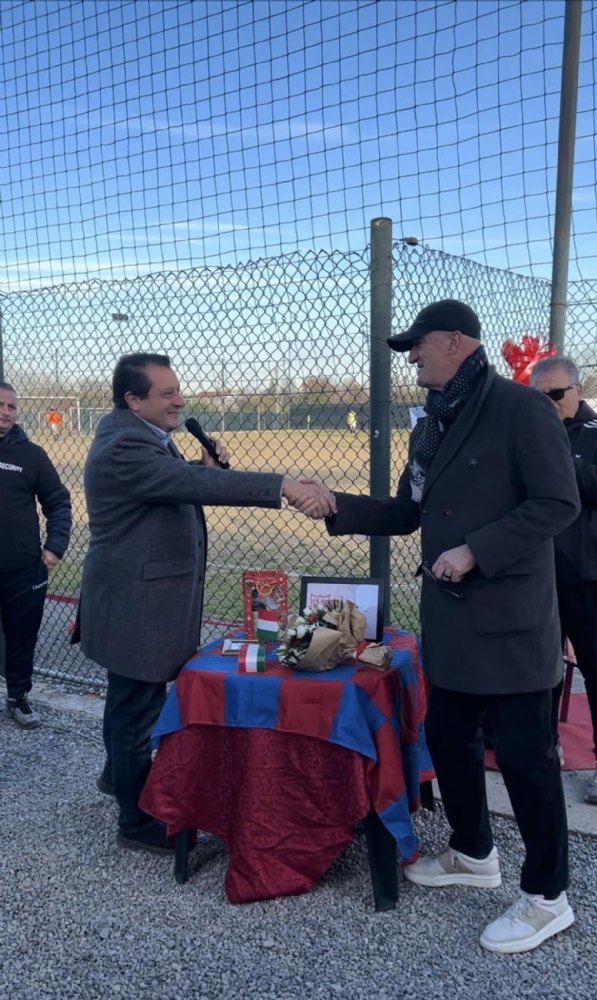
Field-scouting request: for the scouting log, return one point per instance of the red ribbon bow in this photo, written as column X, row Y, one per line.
column 523, row 358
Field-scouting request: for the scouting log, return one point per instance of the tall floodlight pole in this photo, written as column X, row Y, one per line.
column 565, row 177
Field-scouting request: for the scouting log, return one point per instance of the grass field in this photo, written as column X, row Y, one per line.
column 250, row 538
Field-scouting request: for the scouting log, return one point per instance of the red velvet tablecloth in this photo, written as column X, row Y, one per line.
column 284, row 805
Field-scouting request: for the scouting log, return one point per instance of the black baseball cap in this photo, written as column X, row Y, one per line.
column 447, row 315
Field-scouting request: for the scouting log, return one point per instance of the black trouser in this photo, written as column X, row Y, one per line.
column 556, row 695
column 578, row 615
column 529, row 763
column 131, row 712
column 22, row 597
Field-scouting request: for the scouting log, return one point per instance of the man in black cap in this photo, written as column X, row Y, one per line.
column 489, row 482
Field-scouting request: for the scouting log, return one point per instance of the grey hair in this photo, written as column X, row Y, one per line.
column 547, row 365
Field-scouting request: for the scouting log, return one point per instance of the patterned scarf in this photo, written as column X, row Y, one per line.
column 442, row 408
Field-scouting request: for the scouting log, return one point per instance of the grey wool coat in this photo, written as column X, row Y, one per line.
column 502, row 481
column 143, row 576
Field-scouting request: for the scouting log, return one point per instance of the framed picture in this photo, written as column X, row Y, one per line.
column 232, row 647
column 366, row 593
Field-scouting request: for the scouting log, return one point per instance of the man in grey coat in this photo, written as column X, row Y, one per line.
column 489, row 483
column 143, row 576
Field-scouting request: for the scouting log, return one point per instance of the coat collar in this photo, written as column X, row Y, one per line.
column 126, row 418
column 459, row 432
column 584, row 415
column 118, row 419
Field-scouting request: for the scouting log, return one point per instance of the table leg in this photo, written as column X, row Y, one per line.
column 181, row 856
column 383, row 864
column 427, row 799
column 567, row 689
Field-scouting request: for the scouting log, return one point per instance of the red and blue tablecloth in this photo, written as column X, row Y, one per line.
column 377, row 714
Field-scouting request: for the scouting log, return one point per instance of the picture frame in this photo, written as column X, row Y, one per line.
column 367, row 593
column 232, row 647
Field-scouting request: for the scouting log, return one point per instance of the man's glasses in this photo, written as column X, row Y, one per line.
column 446, row 587
column 557, row 394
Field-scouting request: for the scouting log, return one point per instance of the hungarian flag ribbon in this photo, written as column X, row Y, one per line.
column 267, row 625
column 251, row 659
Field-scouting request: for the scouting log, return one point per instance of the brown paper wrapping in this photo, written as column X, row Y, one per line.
column 358, row 623
column 351, row 624
column 376, row 655
column 329, row 646
column 323, row 652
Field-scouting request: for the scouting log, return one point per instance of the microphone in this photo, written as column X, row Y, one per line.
column 195, row 428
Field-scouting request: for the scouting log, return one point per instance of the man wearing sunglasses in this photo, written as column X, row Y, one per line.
column 489, row 483
column 576, row 547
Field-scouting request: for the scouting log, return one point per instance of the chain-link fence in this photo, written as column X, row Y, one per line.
column 145, row 141
column 273, row 356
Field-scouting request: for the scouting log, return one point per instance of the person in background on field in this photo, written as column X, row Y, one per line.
column 143, row 577
column 351, row 420
column 576, row 547
column 26, row 476
column 55, row 421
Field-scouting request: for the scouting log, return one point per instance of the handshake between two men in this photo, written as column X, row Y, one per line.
column 308, row 496
column 312, row 498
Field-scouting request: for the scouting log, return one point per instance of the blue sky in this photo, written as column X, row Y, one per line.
column 141, row 136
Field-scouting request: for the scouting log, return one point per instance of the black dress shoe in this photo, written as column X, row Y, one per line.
column 153, row 840
column 104, row 786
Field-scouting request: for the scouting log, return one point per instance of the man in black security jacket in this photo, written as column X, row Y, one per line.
column 26, row 475
column 576, row 547
column 489, row 483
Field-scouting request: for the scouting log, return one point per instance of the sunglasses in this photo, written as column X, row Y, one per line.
column 426, row 569
column 557, row 394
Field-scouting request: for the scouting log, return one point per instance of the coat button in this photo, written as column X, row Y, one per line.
column 424, row 511
column 472, row 463
column 447, row 513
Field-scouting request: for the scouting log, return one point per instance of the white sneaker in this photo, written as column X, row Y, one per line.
column 453, row 868
column 20, row 710
column 527, row 924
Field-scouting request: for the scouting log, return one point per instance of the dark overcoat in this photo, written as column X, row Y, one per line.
column 502, row 481
column 143, row 576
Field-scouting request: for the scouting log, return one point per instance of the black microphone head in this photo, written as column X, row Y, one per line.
column 192, row 425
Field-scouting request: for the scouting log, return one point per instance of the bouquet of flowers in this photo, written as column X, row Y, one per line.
column 299, row 634
column 523, row 358
column 323, row 636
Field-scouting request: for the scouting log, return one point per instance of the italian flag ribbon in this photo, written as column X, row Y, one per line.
column 267, row 625
column 251, row 660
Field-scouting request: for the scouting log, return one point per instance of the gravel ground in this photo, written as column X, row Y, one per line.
column 80, row 918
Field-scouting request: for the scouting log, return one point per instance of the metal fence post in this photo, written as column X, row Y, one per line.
column 1, row 350
column 565, row 176
column 380, row 389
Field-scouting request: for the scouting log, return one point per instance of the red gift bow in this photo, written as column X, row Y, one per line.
column 522, row 359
